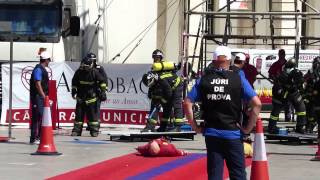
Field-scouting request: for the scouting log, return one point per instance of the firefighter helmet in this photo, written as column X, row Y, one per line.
column 92, row 56
column 157, row 54
column 87, row 61
column 291, row 63
column 149, row 78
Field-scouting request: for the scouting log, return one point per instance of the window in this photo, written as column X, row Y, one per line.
column 30, row 22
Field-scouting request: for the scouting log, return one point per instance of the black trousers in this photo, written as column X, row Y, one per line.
column 88, row 110
column 230, row 150
column 172, row 107
column 296, row 100
column 37, row 105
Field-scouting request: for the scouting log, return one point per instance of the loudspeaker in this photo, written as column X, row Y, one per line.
column 74, row 25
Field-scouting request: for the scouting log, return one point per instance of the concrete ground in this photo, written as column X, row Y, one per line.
column 286, row 161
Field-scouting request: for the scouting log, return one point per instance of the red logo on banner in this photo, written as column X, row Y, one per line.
column 26, row 75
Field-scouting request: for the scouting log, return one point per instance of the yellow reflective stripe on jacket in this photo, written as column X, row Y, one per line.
column 94, row 123
column 163, row 100
column 103, row 86
column 156, row 97
column 176, row 84
column 178, row 120
column 78, row 122
column 301, row 113
column 91, row 100
column 286, row 94
column 311, row 119
column 164, row 120
column 165, row 75
column 153, row 121
column 275, row 118
column 87, row 82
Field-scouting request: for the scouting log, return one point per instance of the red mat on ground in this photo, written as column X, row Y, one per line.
column 195, row 171
column 4, row 139
column 135, row 167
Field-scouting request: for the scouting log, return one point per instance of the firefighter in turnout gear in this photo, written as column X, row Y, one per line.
column 311, row 95
column 85, row 83
column 288, row 87
column 274, row 71
column 167, row 91
column 102, row 96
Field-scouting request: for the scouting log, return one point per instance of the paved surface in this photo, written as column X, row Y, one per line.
column 286, row 161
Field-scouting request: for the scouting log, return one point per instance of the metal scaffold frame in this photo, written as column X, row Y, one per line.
column 207, row 37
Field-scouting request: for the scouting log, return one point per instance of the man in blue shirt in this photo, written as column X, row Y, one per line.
column 38, row 90
column 221, row 92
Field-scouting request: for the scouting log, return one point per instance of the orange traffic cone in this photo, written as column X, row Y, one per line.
column 259, row 167
column 46, row 146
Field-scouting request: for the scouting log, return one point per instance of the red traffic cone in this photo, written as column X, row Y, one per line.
column 46, row 146
column 259, row 167
column 317, row 156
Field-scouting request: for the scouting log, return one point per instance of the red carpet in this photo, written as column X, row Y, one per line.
column 4, row 139
column 135, row 167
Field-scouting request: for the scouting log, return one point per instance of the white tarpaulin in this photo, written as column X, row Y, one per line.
column 127, row 101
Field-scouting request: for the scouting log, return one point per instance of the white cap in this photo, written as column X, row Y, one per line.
column 241, row 56
column 45, row 55
column 222, row 51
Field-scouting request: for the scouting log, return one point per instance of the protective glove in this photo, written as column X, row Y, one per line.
column 103, row 96
column 74, row 96
column 74, row 93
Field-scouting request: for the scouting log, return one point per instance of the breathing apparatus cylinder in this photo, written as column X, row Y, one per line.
column 163, row 66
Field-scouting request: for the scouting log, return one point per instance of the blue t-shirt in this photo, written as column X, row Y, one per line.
column 247, row 94
column 37, row 74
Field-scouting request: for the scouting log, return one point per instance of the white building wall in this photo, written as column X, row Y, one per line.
column 313, row 25
column 174, row 20
column 120, row 24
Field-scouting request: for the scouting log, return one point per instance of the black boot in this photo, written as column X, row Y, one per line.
column 310, row 126
column 77, row 129
column 149, row 128
column 163, row 127
column 301, row 121
column 94, row 133
column 75, row 133
column 88, row 128
column 176, row 128
column 272, row 127
column 300, row 129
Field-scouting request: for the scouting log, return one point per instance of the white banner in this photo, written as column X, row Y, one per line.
column 267, row 57
column 127, row 101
